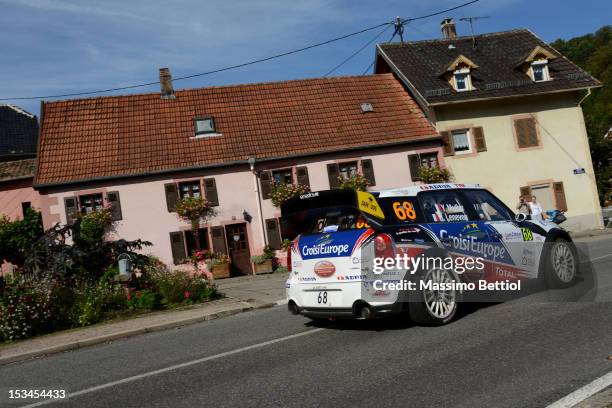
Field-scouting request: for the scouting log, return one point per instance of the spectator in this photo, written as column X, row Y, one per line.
column 523, row 207
column 537, row 213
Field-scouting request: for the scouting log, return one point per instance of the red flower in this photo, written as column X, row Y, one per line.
column 187, row 294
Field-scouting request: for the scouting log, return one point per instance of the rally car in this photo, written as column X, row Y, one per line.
column 340, row 235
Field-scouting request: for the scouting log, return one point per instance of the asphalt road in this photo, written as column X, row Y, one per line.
column 528, row 352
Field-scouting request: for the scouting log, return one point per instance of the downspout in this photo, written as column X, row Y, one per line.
column 251, row 162
column 585, row 96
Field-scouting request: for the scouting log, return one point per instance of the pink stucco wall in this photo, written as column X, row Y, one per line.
column 143, row 200
column 13, row 193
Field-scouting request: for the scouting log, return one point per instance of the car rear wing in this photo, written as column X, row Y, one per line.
column 298, row 213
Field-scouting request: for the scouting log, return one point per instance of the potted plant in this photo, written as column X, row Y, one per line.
column 281, row 192
column 434, row 174
column 219, row 266
column 263, row 263
column 355, row 182
column 194, row 210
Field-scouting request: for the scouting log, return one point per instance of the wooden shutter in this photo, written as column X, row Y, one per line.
column 266, row 184
column 479, row 139
column 526, row 192
column 368, row 171
column 526, row 133
column 560, row 200
column 414, row 162
column 218, row 240
column 447, row 142
column 333, row 172
column 302, row 176
column 177, row 244
column 70, row 205
column 273, row 232
column 115, row 205
column 210, row 191
column 171, row 196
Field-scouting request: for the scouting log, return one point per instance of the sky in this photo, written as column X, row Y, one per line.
column 52, row 47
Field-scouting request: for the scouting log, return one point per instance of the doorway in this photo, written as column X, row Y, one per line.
column 238, row 246
column 544, row 195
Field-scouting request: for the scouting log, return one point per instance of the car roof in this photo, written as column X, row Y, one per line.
column 412, row 191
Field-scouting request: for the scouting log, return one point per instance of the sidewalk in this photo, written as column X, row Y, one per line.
column 591, row 233
column 243, row 294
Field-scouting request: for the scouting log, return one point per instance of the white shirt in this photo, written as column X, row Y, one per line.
column 536, row 211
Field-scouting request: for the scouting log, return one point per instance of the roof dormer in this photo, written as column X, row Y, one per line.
column 458, row 73
column 535, row 64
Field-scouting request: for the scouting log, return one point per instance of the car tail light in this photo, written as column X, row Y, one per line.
column 383, row 247
column 289, row 249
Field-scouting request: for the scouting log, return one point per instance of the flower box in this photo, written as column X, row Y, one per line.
column 263, row 267
column 221, row 271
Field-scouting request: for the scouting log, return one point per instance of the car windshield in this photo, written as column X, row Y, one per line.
column 487, row 207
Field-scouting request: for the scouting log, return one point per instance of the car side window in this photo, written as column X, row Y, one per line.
column 442, row 206
column 486, row 206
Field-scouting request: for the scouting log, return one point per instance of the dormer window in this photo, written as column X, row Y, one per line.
column 205, row 125
column 539, row 71
column 462, row 80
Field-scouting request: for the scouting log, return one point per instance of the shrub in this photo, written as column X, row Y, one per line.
column 434, row 175
column 282, row 192
column 92, row 228
column 356, row 182
column 92, row 302
column 144, row 300
column 17, row 237
column 179, row 286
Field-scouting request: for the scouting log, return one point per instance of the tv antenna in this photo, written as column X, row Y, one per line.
column 471, row 21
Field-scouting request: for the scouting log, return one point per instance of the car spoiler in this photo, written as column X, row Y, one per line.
column 363, row 201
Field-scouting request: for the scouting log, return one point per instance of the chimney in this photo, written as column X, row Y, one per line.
column 165, row 81
column 448, row 29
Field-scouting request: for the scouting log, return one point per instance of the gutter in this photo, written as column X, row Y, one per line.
column 233, row 163
column 585, row 96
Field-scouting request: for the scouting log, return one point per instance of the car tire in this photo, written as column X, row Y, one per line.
column 433, row 308
column 560, row 264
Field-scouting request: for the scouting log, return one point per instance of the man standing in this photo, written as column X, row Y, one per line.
column 523, row 207
column 535, row 207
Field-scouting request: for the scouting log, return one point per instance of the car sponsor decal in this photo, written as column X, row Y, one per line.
column 324, row 269
column 368, row 204
column 331, row 245
column 527, row 234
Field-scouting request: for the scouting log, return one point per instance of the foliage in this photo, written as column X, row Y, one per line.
column 286, row 244
column 281, row 269
column 93, row 301
column 180, row 286
column 434, row 174
column 282, row 192
column 92, row 228
column 268, row 253
column 355, row 182
column 18, row 236
column 194, row 210
column 220, row 259
column 593, row 53
column 144, row 300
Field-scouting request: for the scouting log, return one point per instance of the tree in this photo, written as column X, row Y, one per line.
column 593, row 53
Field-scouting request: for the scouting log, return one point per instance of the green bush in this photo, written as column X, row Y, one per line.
column 17, row 237
column 92, row 302
column 179, row 286
column 144, row 300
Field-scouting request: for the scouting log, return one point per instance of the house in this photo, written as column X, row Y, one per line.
column 18, row 137
column 508, row 108
column 141, row 153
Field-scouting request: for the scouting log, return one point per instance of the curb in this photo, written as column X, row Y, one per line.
column 128, row 333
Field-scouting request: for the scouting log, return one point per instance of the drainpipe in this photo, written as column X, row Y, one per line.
column 251, row 162
column 585, row 96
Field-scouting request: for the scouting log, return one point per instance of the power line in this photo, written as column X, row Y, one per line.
column 256, row 61
column 357, row 52
column 372, row 63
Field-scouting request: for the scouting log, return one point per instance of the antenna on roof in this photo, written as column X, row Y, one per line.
column 399, row 28
column 471, row 21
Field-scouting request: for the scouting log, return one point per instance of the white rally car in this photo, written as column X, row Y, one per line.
column 339, row 233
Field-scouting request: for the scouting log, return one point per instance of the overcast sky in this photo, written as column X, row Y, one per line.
column 63, row 46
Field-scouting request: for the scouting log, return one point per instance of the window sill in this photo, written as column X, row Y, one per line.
column 205, row 135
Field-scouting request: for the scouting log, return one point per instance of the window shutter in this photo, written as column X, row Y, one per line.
column 115, row 205
column 414, row 162
column 210, row 191
column 302, row 176
column 479, row 139
column 447, row 142
column 266, row 184
column 274, row 239
column 218, row 240
column 171, row 196
column 526, row 132
column 532, row 133
column 526, row 191
column 190, row 242
column 560, row 200
column 70, row 205
column 177, row 244
column 368, row 171
column 333, row 172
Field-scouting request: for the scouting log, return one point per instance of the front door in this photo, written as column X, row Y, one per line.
column 238, row 246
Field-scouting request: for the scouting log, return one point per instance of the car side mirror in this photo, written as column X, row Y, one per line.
column 520, row 217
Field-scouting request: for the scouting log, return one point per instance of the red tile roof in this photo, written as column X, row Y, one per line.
column 120, row 136
column 17, row 169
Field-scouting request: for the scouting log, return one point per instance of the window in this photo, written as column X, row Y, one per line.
column 462, row 79
column 539, row 71
column 273, row 233
column 487, row 207
column 526, row 133
column 190, row 189
column 183, row 244
column 348, row 169
column 204, row 126
column 461, row 141
column 429, row 160
column 89, row 203
column 442, row 206
column 283, row 176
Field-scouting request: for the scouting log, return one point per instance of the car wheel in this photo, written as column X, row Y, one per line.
column 561, row 264
column 431, row 307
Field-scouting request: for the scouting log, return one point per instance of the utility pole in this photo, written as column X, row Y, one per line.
column 471, row 21
column 399, row 28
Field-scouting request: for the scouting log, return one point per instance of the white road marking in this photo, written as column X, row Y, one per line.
column 583, row 393
column 600, row 257
column 172, row 368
